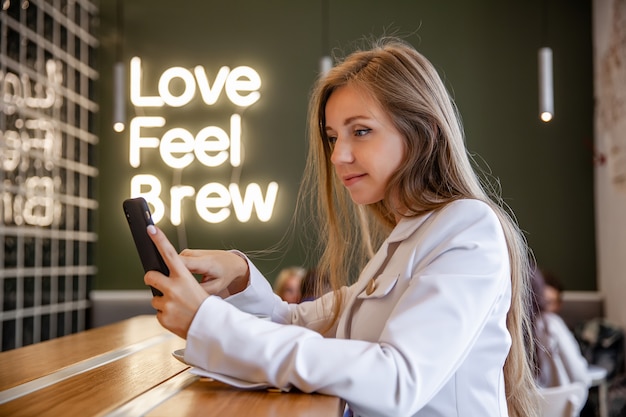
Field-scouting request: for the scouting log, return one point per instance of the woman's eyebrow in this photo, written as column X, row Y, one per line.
column 351, row 119
column 354, row 118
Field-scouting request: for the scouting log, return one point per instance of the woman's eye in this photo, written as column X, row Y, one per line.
column 361, row 132
column 331, row 139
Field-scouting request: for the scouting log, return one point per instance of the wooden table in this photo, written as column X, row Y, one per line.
column 127, row 369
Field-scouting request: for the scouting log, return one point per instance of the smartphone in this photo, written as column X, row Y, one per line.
column 139, row 217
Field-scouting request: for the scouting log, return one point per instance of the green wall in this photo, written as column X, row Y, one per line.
column 486, row 52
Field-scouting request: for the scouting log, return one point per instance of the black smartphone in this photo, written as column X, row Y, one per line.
column 139, row 217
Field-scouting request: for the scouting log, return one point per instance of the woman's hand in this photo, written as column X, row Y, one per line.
column 223, row 273
column 182, row 294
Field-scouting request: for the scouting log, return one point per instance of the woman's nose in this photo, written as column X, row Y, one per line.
column 342, row 153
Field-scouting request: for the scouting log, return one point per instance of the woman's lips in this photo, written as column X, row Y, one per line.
column 352, row 179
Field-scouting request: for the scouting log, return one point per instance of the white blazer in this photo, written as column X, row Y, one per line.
column 560, row 359
column 430, row 341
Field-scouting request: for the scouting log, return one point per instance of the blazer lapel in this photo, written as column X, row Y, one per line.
column 404, row 229
column 372, row 267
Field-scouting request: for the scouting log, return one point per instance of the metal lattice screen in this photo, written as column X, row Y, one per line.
column 47, row 167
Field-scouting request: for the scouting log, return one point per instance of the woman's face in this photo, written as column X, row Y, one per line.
column 552, row 298
column 367, row 148
column 291, row 289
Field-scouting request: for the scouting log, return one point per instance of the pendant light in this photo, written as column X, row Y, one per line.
column 326, row 62
column 119, row 76
column 544, row 60
column 546, row 87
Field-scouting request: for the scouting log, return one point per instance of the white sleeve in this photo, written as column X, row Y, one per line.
column 569, row 350
column 259, row 298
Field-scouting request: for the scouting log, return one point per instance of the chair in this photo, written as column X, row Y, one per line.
column 563, row 401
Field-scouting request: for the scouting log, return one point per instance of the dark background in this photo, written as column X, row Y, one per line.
column 486, row 52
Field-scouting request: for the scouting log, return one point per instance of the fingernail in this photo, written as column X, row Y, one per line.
column 152, row 230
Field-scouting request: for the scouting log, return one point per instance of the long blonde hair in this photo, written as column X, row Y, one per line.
column 437, row 170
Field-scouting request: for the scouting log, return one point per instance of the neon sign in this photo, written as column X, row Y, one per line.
column 31, row 143
column 211, row 146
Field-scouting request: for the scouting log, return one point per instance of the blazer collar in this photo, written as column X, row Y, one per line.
column 406, row 227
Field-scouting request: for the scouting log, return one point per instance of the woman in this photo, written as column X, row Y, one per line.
column 553, row 293
column 436, row 322
column 289, row 282
column 559, row 360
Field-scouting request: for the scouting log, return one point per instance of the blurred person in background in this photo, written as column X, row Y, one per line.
column 288, row 284
column 553, row 292
column 559, row 360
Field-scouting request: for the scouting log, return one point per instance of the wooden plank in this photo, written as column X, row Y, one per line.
column 34, row 361
column 104, row 388
column 146, row 377
column 210, row 398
